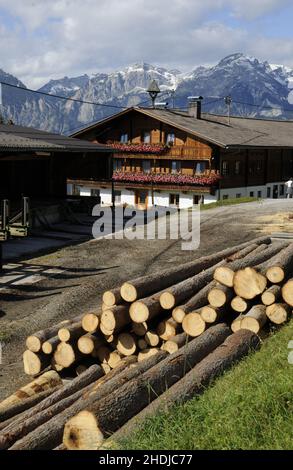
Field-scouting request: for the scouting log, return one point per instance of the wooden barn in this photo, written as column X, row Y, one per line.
column 36, row 163
column 170, row 157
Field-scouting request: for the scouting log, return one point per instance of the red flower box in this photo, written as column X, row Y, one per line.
column 165, row 179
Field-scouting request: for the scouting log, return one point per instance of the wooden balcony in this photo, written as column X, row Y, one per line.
column 174, row 152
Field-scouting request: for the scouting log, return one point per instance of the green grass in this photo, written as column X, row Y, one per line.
column 250, row 407
column 228, row 202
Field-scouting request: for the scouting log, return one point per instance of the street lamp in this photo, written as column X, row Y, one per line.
column 153, row 90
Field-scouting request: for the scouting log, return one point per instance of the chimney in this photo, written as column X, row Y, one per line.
column 194, row 106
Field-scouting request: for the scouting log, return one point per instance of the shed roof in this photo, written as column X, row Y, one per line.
column 19, row 139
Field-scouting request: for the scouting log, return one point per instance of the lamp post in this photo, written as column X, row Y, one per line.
column 153, row 90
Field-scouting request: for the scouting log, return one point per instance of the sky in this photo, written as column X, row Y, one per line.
column 50, row 39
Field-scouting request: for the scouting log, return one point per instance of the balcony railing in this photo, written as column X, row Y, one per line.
column 177, row 151
column 201, row 179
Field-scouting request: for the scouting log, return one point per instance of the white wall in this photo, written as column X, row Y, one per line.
column 128, row 197
column 106, row 196
column 85, row 191
column 245, row 191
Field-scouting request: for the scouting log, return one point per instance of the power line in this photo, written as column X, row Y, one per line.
column 60, row 97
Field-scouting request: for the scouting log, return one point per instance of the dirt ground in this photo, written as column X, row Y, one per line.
column 92, row 267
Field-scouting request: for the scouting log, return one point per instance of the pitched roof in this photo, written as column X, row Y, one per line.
column 19, row 138
column 242, row 132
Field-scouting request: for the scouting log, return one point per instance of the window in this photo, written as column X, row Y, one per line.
column 200, row 167
column 282, row 190
column 198, row 199
column 237, row 169
column 238, row 195
column 175, row 166
column 251, row 194
column 259, row 194
column 225, row 196
column 225, row 168
column 117, row 164
column 146, row 166
column 124, row 138
column 174, row 199
column 170, row 138
column 146, row 137
column 268, row 192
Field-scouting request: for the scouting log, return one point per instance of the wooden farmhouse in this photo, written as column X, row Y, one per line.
column 169, row 157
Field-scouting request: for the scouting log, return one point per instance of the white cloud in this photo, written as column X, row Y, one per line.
column 53, row 38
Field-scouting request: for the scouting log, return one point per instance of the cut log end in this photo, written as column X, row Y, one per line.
column 128, row 292
column 248, row 283
column 139, row 312
column 166, row 329
column 287, row 292
column 33, row 363
column 146, row 353
column 239, row 305
column 178, row 314
column 236, row 324
column 90, row 322
column 278, row 313
column 109, row 298
column 209, row 314
column 167, row 300
column 82, row 433
column 218, row 296
column 255, row 319
column 64, row 355
column 139, row 329
column 33, row 343
column 151, row 338
column 224, row 275
column 275, row 274
column 193, row 324
column 126, row 344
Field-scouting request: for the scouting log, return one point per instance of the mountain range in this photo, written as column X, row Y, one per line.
column 258, row 89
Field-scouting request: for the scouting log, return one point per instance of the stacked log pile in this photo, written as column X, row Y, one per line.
column 120, row 352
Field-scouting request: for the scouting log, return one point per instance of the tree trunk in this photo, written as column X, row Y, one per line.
column 34, row 363
column 234, row 348
column 193, row 324
column 71, row 332
column 144, row 286
column 255, row 319
column 220, row 295
column 114, row 410
column 287, row 292
column 47, row 381
column 225, row 275
column 49, row 434
column 175, row 343
column 23, row 405
column 278, row 313
column 282, row 266
column 116, row 318
column 211, row 314
column 90, row 321
column 271, row 295
column 89, row 342
column 112, row 297
column 49, row 346
column 35, row 341
column 166, row 329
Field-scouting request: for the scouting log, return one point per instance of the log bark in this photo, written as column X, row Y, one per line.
column 47, row 381
column 220, row 295
column 278, row 313
column 175, row 343
column 49, row 434
column 49, row 346
column 71, row 332
column 271, row 295
column 34, row 363
column 168, row 328
column 144, row 286
column 193, row 324
column 23, row 405
column 282, row 266
column 287, row 292
column 255, row 319
column 116, row 318
column 234, row 348
column 35, row 341
column 47, row 408
column 113, row 411
column 112, row 297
